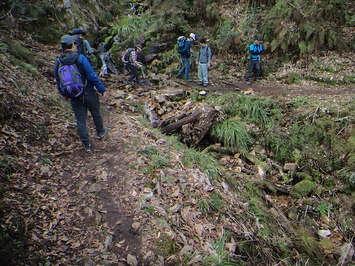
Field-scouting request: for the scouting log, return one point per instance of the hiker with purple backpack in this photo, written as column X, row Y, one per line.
column 76, row 80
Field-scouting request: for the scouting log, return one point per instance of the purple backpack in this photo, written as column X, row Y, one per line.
column 71, row 84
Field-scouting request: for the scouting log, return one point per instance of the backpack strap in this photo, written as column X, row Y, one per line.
column 81, row 69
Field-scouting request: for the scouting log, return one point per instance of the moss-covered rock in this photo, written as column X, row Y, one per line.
column 304, row 176
column 20, row 52
column 303, row 188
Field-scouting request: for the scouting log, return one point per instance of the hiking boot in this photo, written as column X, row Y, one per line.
column 88, row 147
column 200, row 83
column 101, row 135
column 205, row 84
column 189, row 80
column 248, row 82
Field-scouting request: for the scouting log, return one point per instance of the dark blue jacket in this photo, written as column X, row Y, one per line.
column 185, row 52
column 88, row 74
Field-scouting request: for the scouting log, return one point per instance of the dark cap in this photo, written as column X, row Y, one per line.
column 78, row 31
column 258, row 38
column 68, row 40
column 202, row 40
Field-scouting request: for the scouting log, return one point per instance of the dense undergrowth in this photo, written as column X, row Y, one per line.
column 319, row 138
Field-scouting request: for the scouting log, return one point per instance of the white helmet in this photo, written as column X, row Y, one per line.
column 193, row 36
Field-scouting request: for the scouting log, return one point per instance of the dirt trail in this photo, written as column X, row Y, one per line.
column 106, row 182
column 274, row 88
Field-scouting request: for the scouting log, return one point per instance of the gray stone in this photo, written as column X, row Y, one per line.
column 290, row 167
column 94, row 188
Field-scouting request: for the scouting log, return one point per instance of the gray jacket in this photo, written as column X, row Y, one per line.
column 204, row 55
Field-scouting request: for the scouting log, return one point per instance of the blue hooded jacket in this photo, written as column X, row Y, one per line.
column 185, row 52
column 88, row 74
column 255, row 51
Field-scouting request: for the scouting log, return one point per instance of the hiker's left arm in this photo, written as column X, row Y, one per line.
column 91, row 75
column 209, row 55
column 87, row 47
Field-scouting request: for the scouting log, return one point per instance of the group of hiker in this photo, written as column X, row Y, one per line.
column 76, row 78
column 204, row 59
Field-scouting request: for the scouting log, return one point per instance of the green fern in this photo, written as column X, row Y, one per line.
column 202, row 160
column 233, row 133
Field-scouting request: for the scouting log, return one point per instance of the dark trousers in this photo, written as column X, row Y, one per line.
column 133, row 70
column 80, row 107
column 253, row 67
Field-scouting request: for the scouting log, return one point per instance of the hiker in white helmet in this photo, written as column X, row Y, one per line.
column 185, row 57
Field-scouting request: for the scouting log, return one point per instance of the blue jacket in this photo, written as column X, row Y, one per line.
column 87, row 73
column 255, row 51
column 185, row 52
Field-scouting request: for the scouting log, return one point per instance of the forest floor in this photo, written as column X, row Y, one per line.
column 94, row 208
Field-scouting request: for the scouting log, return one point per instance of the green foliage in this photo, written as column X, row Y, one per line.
column 317, row 143
column 306, row 242
column 148, row 208
column 203, row 161
column 233, row 133
column 323, row 208
column 250, row 109
column 165, row 246
column 3, row 47
column 215, row 203
column 305, row 28
column 131, row 27
column 293, row 78
column 225, row 35
column 45, row 161
column 298, row 101
column 216, row 200
column 348, row 176
column 156, row 159
column 20, row 51
column 174, row 142
column 303, row 188
column 204, row 206
column 256, row 207
column 220, row 255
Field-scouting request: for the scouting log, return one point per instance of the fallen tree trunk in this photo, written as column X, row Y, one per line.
column 177, row 125
column 193, row 127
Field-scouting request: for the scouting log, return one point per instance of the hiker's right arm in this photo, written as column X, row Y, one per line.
column 91, row 74
column 56, row 66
